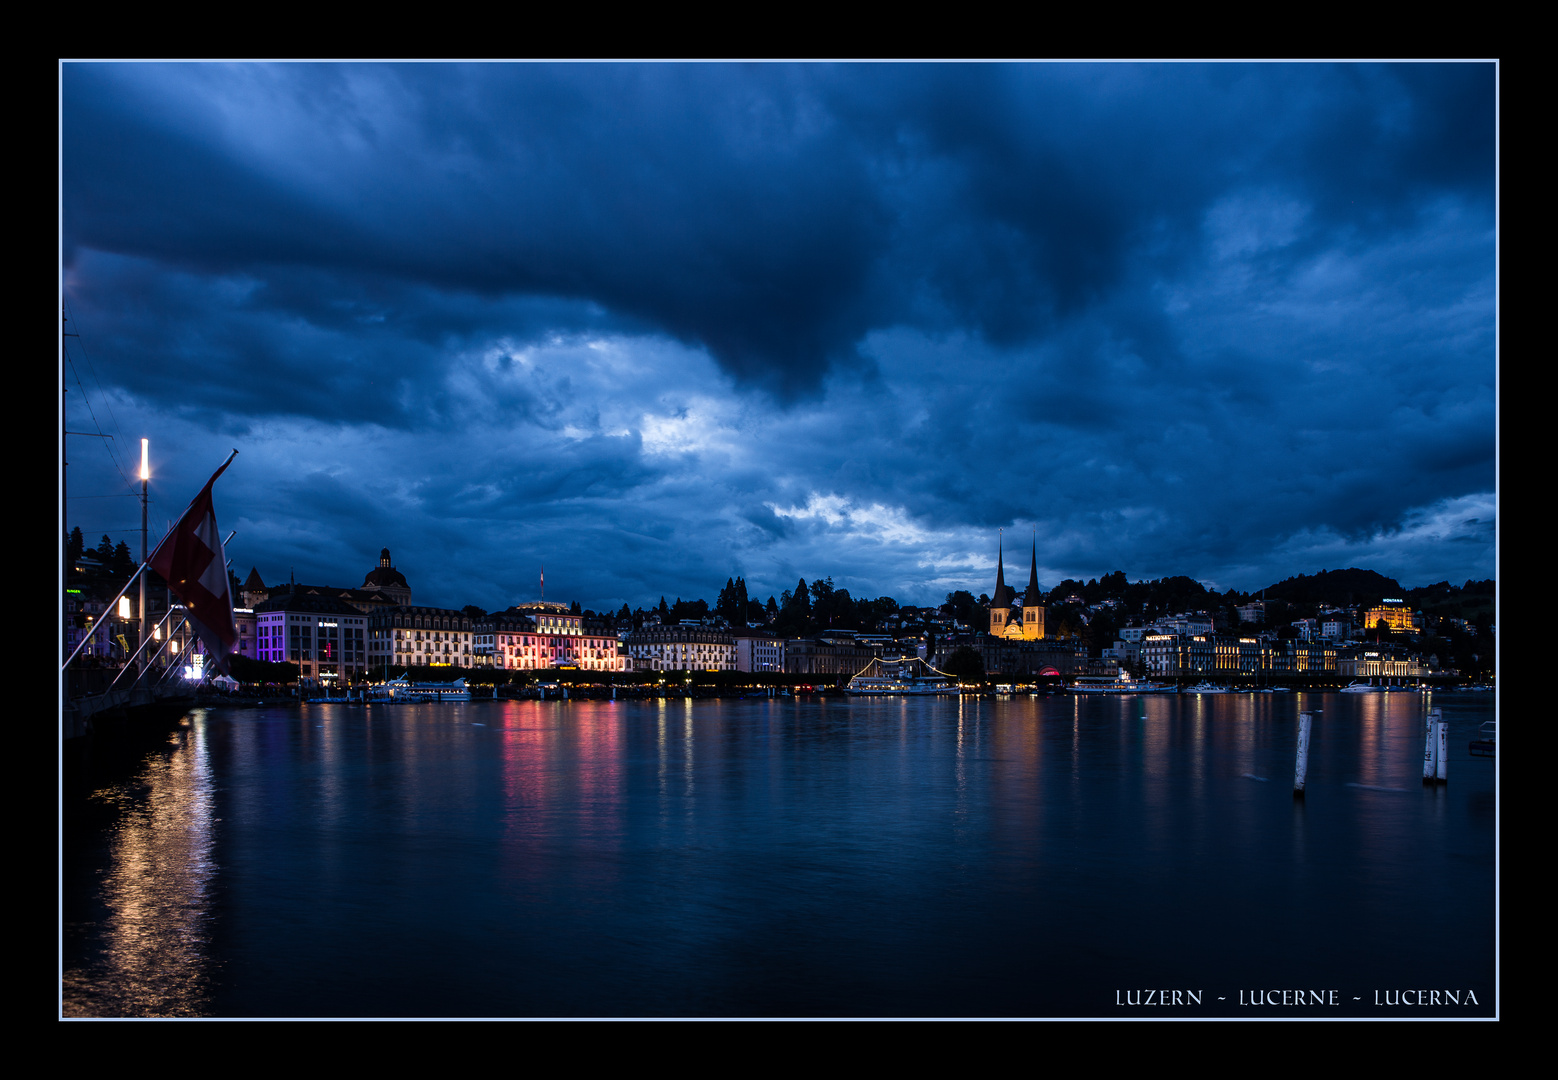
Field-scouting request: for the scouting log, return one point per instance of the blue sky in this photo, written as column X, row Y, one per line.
column 652, row 326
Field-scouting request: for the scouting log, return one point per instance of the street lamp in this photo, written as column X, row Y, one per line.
column 145, row 476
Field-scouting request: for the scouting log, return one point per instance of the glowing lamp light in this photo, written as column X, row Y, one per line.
column 145, row 459
column 124, row 607
column 174, row 645
column 156, row 634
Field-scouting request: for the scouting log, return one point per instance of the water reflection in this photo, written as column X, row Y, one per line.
column 150, row 936
column 775, row 856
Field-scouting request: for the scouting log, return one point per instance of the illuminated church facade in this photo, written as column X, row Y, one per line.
column 1010, row 619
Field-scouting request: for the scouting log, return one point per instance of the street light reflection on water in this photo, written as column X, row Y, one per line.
column 155, row 878
column 774, row 857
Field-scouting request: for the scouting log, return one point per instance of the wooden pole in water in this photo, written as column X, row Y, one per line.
column 1301, row 766
column 1442, row 751
column 1431, row 747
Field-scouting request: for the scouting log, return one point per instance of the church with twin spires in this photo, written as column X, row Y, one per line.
column 1012, row 620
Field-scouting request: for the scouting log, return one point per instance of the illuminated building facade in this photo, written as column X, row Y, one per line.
column 757, row 651
column 1009, row 618
column 411, row 636
column 325, row 636
column 1395, row 614
column 532, row 637
column 681, row 648
column 1382, row 665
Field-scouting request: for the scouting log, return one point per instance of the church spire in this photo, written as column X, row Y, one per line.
column 1031, row 596
column 1004, row 594
column 1000, row 569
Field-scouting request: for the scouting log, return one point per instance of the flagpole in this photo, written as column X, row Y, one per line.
column 181, row 517
column 145, row 476
column 150, row 659
column 110, row 607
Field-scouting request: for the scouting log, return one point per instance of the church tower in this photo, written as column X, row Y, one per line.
column 1032, row 607
column 1008, row 618
column 1001, row 602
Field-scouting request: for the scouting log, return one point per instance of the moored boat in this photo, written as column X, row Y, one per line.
column 1122, row 683
column 403, row 690
column 908, row 676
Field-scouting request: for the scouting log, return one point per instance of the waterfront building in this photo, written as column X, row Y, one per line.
column 758, row 650
column 1376, row 663
column 681, row 648
column 411, row 636
column 834, row 653
column 1012, row 618
column 1302, row 658
column 541, row 635
column 1237, row 655
column 1172, row 655
column 325, row 636
column 1004, row 656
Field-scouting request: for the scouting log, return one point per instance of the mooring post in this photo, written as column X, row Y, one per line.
column 1431, row 747
column 1301, row 766
column 1442, row 750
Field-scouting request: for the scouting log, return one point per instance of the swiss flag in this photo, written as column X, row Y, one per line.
column 191, row 561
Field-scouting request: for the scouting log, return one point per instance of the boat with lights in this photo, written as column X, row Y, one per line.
column 1123, row 683
column 908, row 676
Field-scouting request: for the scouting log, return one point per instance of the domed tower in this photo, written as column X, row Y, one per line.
column 385, row 579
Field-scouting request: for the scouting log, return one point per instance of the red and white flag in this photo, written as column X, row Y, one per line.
column 191, row 561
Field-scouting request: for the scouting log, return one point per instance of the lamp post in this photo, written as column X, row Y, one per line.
column 145, row 476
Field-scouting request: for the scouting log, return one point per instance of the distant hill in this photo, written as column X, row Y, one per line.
column 1355, row 586
column 1466, row 601
column 1338, row 587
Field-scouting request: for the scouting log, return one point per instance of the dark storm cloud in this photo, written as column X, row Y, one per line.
column 1177, row 317
column 771, row 214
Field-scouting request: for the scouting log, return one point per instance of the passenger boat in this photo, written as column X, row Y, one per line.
column 404, row 690
column 1117, row 684
column 1207, row 688
column 907, row 676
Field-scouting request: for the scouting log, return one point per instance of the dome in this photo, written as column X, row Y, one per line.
column 385, row 576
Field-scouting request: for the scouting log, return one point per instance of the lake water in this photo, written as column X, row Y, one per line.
column 809, row 857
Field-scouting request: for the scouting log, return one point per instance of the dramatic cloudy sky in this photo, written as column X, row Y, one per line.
column 653, row 326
